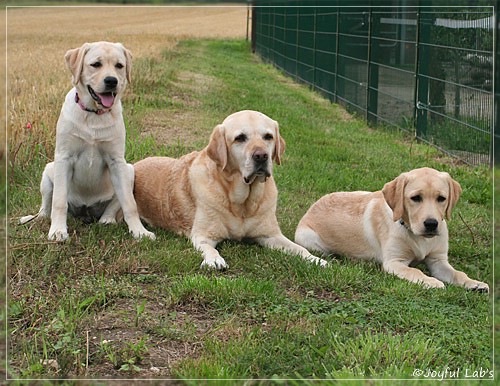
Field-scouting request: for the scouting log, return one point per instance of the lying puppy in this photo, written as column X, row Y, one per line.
column 225, row 191
column 89, row 167
column 401, row 225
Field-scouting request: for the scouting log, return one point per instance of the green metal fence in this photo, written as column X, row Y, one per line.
column 424, row 69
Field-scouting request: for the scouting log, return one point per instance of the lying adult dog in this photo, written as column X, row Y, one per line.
column 89, row 167
column 401, row 225
column 225, row 191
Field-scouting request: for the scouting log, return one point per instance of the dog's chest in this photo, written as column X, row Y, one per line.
column 90, row 146
column 422, row 248
column 240, row 227
column 89, row 166
column 249, row 220
column 93, row 136
column 90, row 158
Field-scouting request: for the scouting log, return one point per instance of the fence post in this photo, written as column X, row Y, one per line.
column 422, row 71
column 417, row 53
column 495, row 135
column 297, row 35
column 253, row 26
column 338, row 90
column 372, row 87
column 274, row 37
column 248, row 21
column 314, row 49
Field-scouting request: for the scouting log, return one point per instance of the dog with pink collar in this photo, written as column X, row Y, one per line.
column 89, row 168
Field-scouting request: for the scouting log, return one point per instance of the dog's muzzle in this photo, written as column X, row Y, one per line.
column 260, row 163
column 106, row 98
column 430, row 228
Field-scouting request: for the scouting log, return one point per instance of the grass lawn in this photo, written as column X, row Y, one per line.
column 106, row 306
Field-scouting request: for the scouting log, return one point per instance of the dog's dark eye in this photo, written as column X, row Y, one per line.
column 119, row 66
column 416, row 198
column 96, row 64
column 241, row 138
column 441, row 199
column 268, row 137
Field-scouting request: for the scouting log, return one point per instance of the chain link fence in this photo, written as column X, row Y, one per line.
column 426, row 70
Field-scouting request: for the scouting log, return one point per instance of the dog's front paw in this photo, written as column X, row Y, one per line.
column 479, row 286
column 316, row 260
column 143, row 233
column 214, row 263
column 107, row 220
column 431, row 282
column 58, row 234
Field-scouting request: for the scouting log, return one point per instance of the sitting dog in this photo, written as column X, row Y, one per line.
column 399, row 226
column 225, row 191
column 89, row 168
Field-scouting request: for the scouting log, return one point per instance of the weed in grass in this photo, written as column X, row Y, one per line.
column 109, row 353
column 139, row 310
column 175, row 326
column 126, row 357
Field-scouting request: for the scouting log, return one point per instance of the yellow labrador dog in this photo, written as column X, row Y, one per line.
column 225, row 191
column 399, row 226
column 89, row 167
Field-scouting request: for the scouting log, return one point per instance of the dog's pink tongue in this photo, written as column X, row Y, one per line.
column 107, row 100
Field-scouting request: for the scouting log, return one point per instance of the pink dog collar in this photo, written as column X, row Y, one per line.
column 83, row 107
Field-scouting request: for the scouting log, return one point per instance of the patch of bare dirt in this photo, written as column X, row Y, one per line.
column 174, row 127
column 167, row 334
column 182, row 123
column 195, row 82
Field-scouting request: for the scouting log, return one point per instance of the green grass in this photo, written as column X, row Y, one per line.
column 145, row 308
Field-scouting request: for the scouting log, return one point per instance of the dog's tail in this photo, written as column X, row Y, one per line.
column 26, row 219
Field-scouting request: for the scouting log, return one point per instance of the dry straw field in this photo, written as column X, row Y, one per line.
column 38, row 37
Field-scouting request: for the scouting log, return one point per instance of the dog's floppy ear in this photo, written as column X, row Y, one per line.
column 455, row 191
column 394, row 196
column 128, row 64
column 279, row 147
column 217, row 148
column 74, row 60
column 128, row 55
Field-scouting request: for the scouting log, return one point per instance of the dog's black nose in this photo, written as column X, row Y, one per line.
column 110, row 82
column 260, row 156
column 431, row 224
